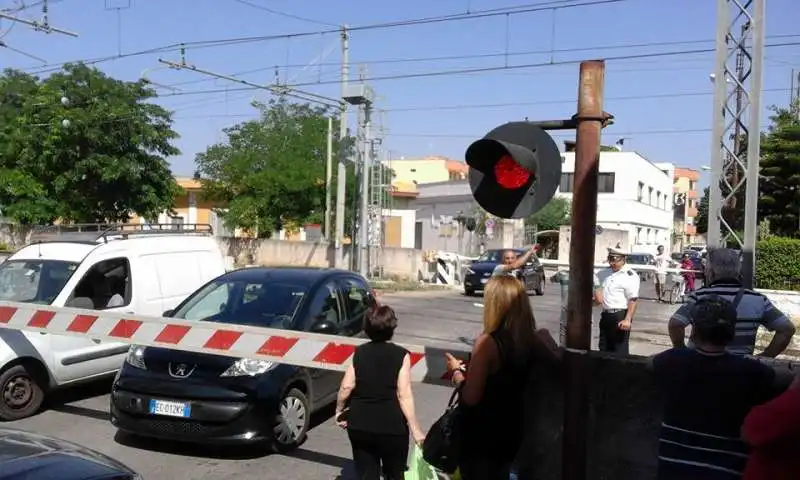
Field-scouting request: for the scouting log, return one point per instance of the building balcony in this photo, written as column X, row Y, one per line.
column 691, row 212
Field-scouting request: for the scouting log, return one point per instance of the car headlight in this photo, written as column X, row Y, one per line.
column 248, row 367
column 135, row 357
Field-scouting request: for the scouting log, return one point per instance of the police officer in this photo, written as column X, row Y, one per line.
column 617, row 290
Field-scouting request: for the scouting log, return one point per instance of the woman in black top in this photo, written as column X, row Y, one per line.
column 492, row 397
column 380, row 413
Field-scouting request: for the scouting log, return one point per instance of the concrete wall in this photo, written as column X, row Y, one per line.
column 404, row 263
column 625, row 409
column 609, row 238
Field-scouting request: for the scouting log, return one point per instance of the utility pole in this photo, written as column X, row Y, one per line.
column 341, row 183
column 728, row 151
column 363, row 258
column 328, row 181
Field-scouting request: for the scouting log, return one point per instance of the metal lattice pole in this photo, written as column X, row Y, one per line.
column 735, row 149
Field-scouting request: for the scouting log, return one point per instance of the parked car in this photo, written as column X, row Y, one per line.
column 26, row 455
column 478, row 273
column 640, row 258
column 193, row 397
column 122, row 269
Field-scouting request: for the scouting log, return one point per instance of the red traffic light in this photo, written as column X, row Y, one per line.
column 514, row 170
column 510, row 174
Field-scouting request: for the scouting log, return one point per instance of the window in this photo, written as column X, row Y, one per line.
column 242, row 302
column 325, row 307
column 34, row 281
column 638, row 235
column 605, row 183
column 106, row 285
column 640, row 193
column 649, row 195
column 357, row 299
column 658, row 199
column 566, row 182
column 649, row 237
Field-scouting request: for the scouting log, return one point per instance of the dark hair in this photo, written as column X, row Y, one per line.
column 379, row 323
column 713, row 320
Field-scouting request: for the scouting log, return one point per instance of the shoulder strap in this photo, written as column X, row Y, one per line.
column 738, row 298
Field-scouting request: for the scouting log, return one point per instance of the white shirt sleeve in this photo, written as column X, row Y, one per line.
column 632, row 285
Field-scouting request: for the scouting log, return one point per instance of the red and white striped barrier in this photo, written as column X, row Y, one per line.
column 280, row 346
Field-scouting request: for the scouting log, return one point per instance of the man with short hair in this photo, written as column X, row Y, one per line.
column 754, row 310
column 663, row 261
column 511, row 264
column 617, row 290
column 708, row 392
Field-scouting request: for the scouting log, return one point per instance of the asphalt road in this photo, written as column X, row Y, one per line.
column 444, row 319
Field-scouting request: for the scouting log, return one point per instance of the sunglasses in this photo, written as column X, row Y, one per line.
column 614, row 258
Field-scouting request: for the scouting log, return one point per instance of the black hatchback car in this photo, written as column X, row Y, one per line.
column 214, row 399
column 26, row 455
column 478, row 273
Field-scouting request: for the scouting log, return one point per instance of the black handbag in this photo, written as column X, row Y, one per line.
column 441, row 446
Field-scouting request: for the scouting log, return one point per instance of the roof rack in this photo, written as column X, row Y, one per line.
column 96, row 232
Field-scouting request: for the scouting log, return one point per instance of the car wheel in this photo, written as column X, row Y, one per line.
column 294, row 416
column 20, row 394
column 539, row 291
column 469, row 292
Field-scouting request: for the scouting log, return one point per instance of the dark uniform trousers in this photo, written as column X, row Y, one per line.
column 612, row 339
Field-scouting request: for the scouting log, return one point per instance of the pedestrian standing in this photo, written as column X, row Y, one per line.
column 617, row 290
column 377, row 387
column 663, row 261
column 688, row 273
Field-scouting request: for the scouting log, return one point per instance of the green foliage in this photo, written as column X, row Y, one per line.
column 777, row 260
column 552, row 216
column 779, row 199
column 701, row 220
column 271, row 172
column 99, row 156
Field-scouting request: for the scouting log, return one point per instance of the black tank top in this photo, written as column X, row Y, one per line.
column 494, row 426
column 374, row 407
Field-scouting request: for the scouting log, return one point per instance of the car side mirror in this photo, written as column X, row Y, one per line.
column 325, row 327
column 168, row 313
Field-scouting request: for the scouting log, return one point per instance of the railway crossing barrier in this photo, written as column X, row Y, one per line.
column 303, row 349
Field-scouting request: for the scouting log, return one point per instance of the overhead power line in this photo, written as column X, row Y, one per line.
column 477, row 14
column 284, row 14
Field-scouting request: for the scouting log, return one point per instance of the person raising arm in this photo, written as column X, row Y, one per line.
column 511, row 262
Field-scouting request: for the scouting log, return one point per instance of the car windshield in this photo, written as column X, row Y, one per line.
column 245, row 302
column 34, row 281
column 494, row 256
column 638, row 259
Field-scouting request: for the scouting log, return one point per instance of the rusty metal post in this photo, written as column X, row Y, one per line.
column 590, row 120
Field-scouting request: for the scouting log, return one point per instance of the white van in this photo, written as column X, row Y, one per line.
column 133, row 269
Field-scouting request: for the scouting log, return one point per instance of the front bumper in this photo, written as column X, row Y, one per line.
column 225, row 420
column 476, row 281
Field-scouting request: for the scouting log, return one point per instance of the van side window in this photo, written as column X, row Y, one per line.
column 106, row 285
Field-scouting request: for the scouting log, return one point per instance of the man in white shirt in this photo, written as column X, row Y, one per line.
column 617, row 290
column 663, row 261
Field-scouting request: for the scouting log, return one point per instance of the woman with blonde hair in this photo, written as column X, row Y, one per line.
column 493, row 391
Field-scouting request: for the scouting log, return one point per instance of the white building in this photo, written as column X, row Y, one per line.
column 634, row 196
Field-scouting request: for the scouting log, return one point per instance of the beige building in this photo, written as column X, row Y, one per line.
column 432, row 169
column 686, row 201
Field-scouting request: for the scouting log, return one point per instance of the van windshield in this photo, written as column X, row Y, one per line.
column 34, row 281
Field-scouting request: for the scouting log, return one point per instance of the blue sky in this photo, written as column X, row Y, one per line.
column 423, row 115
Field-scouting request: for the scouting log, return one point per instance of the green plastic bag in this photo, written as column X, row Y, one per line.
column 418, row 468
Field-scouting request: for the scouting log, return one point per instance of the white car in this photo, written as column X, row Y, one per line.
column 132, row 269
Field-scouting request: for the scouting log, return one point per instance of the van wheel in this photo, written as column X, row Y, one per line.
column 20, row 394
column 292, row 422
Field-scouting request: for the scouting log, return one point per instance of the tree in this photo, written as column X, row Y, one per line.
column 270, row 172
column 552, row 216
column 779, row 199
column 701, row 220
column 81, row 146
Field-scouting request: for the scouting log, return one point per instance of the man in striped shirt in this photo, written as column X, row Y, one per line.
column 754, row 310
column 708, row 392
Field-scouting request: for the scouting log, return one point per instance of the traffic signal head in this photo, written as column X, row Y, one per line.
column 514, row 170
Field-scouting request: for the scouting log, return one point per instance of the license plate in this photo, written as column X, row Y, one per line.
column 484, row 280
column 170, row 409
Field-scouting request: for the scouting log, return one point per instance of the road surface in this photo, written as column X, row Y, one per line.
column 444, row 318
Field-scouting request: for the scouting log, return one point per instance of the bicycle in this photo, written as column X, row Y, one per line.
column 678, row 289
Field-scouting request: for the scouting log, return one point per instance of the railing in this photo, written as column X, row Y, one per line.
column 107, row 231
